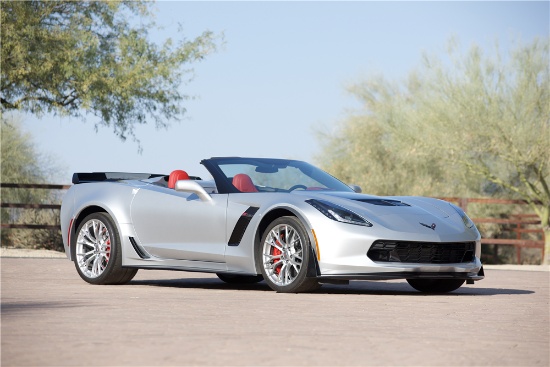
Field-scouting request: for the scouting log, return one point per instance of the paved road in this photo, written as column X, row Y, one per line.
column 51, row 317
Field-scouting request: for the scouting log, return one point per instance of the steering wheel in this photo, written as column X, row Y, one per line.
column 297, row 187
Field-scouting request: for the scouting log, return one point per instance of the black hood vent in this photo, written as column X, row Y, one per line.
column 383, row 202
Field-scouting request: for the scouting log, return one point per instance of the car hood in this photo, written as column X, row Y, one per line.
column 400, row 213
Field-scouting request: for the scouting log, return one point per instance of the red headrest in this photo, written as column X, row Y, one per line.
column 176, row 176
column 243, row 183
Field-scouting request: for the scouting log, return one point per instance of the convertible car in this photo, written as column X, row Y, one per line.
column 282, row 221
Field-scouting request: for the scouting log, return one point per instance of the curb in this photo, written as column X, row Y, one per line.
column 20, row 253
column 517, row 267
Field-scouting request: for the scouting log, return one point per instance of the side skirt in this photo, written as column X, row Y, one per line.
column 175, row 268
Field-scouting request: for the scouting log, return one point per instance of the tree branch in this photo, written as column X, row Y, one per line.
column 7, row 105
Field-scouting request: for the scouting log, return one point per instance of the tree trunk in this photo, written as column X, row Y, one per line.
column 544, row 215
column 546, row 257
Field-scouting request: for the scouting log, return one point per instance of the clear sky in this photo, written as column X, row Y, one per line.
column 281, row 76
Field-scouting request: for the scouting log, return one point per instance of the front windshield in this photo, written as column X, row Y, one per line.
column 273, row 175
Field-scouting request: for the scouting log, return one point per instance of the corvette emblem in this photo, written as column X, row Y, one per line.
column 429, row 226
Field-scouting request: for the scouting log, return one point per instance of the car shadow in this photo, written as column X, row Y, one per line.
column 354, row 288
column 403, row 288
column 8, row 308
column 201, row 283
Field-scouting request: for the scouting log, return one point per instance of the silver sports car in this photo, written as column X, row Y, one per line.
column 282, row 221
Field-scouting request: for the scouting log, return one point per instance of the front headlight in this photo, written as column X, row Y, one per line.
column 467, row 221
column 338, row 213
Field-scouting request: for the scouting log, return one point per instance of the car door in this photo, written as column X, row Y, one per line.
column 178, row 225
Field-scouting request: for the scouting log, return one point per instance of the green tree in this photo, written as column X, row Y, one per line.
column 78, row 57
column 469, row 123
column 22, row 163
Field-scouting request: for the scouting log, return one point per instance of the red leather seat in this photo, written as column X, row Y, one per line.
column 243, row 183
column 175, row 176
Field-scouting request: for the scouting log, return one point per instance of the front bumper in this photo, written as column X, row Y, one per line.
column 343, row 253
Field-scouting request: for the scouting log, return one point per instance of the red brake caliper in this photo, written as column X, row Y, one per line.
column 276, row 252
column 108, row 250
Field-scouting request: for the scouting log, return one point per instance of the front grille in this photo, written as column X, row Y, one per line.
column 422, row 252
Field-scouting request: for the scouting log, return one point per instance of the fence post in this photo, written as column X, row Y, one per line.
column 463, row 204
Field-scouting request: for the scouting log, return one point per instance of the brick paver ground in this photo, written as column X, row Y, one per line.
column 50, row 317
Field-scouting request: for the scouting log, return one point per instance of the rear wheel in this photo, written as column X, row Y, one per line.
column 97, row 251
column 239, row 279
column 284, row 256
column 435, row 285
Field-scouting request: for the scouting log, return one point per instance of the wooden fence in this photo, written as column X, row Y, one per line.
column 32, row 206
column 519, row 224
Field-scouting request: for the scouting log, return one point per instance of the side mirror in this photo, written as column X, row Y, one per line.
column 356, row 188
column 194, row 188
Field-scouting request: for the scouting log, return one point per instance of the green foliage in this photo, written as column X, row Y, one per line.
column 77, row 57
column 21, row 163
column 466, row 125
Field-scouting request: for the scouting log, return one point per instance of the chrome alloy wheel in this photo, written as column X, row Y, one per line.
column 93, row 248
column 283, row 254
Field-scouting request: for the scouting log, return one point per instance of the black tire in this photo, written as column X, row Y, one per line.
column 436, row 285
column 106, row 248
column 286, row 273
column 239, row 279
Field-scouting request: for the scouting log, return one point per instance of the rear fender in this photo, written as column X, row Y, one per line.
column 112, row 198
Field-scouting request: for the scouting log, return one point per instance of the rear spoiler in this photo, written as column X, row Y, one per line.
column 83, row 177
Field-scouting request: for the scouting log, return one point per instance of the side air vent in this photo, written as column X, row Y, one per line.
column 383, row 202
column 139, row 250
column 240, row 227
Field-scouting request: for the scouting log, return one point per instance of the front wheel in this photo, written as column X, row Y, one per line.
column 284, row 256
column 435, row 285
column 97, row 251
